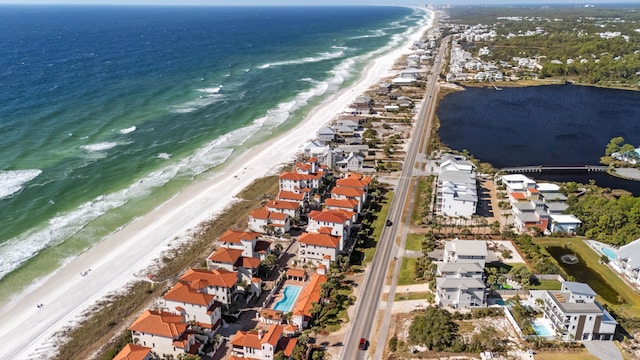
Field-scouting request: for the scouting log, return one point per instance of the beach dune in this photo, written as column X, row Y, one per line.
column 32, row 319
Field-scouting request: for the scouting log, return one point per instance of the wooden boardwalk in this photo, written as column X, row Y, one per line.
column 554, row 168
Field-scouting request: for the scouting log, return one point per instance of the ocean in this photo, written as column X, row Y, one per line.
column 107, row 112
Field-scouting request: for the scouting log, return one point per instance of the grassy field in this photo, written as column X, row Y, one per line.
column 401, row 296
column 423, row 185
column 407, row 272
column 548, row 285
column 630, row 306
column 378, row 225
column 414, row 242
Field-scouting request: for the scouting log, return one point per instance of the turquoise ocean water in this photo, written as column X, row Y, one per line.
column 106, row 112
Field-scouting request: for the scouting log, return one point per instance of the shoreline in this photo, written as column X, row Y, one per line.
column 114, row 262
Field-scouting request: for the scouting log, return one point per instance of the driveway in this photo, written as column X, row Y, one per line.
column 605, row 350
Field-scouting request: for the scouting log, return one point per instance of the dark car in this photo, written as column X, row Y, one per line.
column 388, row 223
column 363, row 344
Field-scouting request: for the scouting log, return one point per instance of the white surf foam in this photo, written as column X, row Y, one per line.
column 164, row 156
column 12, row 181
column 207, row 97
column 306, row 60
column 128, row 130
column 101, row 146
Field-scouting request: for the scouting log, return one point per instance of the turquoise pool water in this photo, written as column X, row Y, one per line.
column 289, row 296
column 541, row 328
column 610, row 253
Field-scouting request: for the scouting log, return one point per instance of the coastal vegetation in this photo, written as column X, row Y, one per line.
column 595, row 46
column 612, row 220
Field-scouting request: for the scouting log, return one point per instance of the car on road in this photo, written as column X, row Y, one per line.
column 388, row 223
column 363, row 344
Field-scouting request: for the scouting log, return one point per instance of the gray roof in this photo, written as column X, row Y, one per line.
column 572, row 307
column 459, row 267
column 459, row 283
column 470, row 247
column 457, row 177
column 523, row 206
column 631, row 252
column 527, row 216
column 325, row 130
column 553, row 196
column 578, row 288
column 556, row 207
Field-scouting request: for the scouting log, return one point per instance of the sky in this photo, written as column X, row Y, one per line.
column 306, row 2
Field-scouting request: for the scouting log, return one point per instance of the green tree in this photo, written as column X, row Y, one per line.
column 614, row 145
column 433, row 329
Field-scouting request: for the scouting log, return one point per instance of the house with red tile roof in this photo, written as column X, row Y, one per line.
column 290, row 208
column 262, row 220
column 166, row 333
column 134, row 352
column 249, row 242
column 197, row 307
column 232, row 260
column 355, row 180
column 219, row 283
column 352, row 193
column 349, row 205
column 314, row 247
column 337, row 220
column 299, row 197
column 309, row 295
column 257, row 344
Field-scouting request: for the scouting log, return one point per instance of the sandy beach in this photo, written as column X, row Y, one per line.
column 107, row 267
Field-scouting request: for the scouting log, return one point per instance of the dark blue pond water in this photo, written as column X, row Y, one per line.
column 544, row 125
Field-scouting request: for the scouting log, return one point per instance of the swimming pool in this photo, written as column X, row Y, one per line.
column 541, row 327
column 609, row 252
column 289, row 296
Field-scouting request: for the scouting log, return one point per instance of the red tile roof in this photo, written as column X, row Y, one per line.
column 159, row 323
column 184, row 293
column 248, row 262
column 252, row 340
column 235, row 236
column 133, row 352
column 347, row 191
column 264, row 214
column 226, row 256
column 309, row 295
column 296, row 273
column 287, row 345
column 518, row 195
column 294, row 176
column 342, row 203
column 330, row 216
column 324, row 240
column 290, row 195
column 354, row 180
column 283, row 205
column 203, row 278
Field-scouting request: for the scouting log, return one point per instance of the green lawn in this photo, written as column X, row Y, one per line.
column 548, row 285
column 414, row 242
column 407, row 272
column 631, row 300
column 378, row 225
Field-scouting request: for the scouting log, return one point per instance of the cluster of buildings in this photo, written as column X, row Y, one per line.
column 188, row 317
column 457, row 192
column 460, row 275
column 538, row 205
column 571, row 312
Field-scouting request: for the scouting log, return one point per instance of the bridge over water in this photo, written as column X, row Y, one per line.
column 554, row 168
